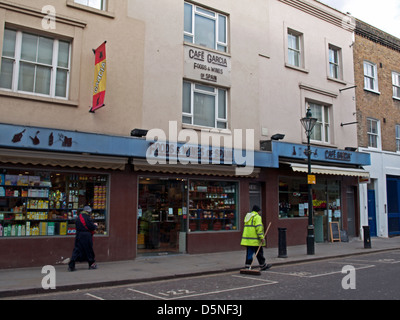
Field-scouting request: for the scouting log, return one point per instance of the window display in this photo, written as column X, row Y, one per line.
column 293, row 202
column 43, row 203
column 212, row 206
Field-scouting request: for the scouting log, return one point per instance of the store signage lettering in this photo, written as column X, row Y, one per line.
column 207, row 66
column 338, row 155
column 198, row 154
column 199, row 150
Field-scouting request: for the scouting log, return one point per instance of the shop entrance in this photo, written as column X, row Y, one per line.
column 162, row 216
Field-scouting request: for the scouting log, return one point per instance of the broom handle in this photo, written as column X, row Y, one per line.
column 259, row 248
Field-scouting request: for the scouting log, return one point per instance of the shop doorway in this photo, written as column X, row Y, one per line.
column 255, row 195
column 393, row 200
column 351, row 211
column 162, row 216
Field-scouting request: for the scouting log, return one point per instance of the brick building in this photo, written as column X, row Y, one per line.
column 377, row 76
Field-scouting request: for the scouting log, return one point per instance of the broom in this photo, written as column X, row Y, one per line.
column 255, row 272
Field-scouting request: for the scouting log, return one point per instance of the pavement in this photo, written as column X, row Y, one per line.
column 26, row 281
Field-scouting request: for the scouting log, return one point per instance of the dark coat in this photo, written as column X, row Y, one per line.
column 83, row 250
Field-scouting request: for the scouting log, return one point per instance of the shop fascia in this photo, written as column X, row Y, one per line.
column 162, row 151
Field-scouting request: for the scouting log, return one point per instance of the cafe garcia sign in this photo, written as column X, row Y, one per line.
column 207, row 66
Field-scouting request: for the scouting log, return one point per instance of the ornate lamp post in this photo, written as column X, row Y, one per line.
column 309, row 123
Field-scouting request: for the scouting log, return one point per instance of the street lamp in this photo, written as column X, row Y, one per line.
column 309, row 123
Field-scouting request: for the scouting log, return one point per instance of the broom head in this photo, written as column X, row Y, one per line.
column 250, row 272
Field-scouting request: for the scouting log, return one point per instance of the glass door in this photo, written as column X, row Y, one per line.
column 162, row 215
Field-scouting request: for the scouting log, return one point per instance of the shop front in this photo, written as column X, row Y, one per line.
column 171, row 208
column 334, row 194
column 141, row 209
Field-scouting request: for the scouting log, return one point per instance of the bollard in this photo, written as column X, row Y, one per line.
column 367, row 238
column 282, row 243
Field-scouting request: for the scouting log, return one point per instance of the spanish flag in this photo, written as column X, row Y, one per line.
column 100, row 78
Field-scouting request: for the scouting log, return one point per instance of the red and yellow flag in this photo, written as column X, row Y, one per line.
column 100, row 78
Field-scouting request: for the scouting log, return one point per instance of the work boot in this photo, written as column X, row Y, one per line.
column 266, row 267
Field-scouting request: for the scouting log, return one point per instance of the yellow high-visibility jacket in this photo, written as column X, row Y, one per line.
column 253, row 231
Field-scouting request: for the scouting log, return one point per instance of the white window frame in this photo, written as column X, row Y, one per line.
column 323, row 123
column 189, row 36
column 371, row 78
column 336, row 64
column 89, row 3
column 398, row 137
column 197, row 88
column 17, row 60
column 396, row 85
column 375, row 135
column 295, row 51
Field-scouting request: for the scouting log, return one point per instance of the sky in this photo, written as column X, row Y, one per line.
column 382, row 14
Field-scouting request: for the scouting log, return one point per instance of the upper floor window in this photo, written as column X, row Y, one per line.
column 35, row 64
column 396, row 85
column 97, row 4
column 321, row 130
column 335, row 62
column 370, row 76
column 398, row 138
column 206, row 28
column 204, row 105
column 295, row 48
column 373, row 133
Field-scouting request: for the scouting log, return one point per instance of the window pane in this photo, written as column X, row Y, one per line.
column 188, row 18
column 43, row 77
column 204, row 88
column 204, row 110
column 221, row 125
column 221, row 104
column 29, row 47
column 61, row 83
column 98, row 4
column 9, row 43
column 293, row 42
column 7, row 67
column 317, row 132
column 222, row 29
column 63, row 54
column 205, row 32
column 187, row 120
column 294, row 58
column 26, row 77
column 186, row 101
column 45, row 51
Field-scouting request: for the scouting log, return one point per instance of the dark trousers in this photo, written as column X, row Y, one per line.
column 251, row 251
column 83, row 250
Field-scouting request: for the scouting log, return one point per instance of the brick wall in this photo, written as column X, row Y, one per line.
column 384, row 50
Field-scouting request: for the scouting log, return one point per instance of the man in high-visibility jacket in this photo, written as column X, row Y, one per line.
column 253, row 237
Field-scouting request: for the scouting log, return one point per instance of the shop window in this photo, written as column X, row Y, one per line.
column 213, row 206
column 293, row 202
column 35, row 64
column 205, row 28
column 43, row 203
